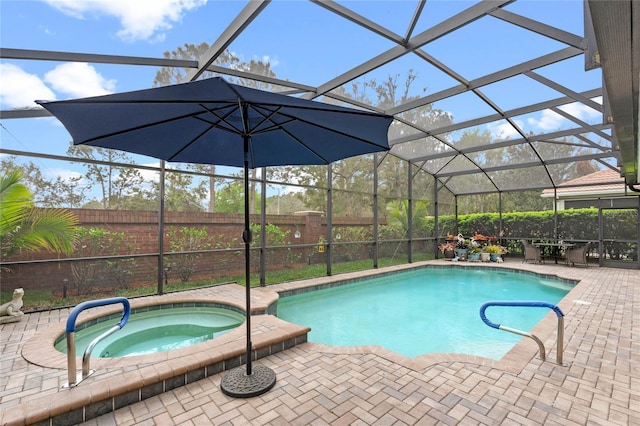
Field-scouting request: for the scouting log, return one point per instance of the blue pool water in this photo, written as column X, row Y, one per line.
column 156, row 330
column 433, row 310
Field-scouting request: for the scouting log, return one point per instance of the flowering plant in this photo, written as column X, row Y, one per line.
column 495, row 248
column 446, row 246
column 463, row 243
column 475, row 249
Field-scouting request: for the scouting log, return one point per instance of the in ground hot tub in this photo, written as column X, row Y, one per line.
column 156, row 328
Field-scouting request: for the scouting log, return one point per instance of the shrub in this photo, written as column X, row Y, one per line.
column 186, row 241
column 95, row 242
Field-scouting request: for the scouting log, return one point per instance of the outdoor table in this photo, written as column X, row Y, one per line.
column 553, row 248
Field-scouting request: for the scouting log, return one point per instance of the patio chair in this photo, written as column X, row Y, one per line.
column 531, row 252
column 577, row 255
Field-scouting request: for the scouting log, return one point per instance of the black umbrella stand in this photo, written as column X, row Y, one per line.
column 245, row 381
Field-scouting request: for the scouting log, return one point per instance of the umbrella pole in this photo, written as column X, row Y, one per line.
column 247, row 237
column 245, row 382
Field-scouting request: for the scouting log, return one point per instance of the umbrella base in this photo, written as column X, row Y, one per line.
column 238, row 384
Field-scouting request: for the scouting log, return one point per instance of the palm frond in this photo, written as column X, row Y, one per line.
column 51, row 229
column 15, row 200
column 23, row 226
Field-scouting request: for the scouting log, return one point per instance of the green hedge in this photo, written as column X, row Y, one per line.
column 573, row 224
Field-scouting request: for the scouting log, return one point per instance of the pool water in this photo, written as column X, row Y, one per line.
column 433, row 310
column 156, row 330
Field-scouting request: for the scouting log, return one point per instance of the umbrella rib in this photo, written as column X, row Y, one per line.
column 328, row 108
column 221, row 118
column 311, row 123
column 152, row 124
column 213, row 125
column 294, row 118
column 276, row 126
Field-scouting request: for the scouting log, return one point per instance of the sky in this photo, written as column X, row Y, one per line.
column 329, row 47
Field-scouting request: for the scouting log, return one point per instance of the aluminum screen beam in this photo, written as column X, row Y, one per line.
column 461, row 19
column 235, row 28
column 539, row 62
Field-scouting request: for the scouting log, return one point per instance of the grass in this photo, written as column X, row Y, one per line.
column 38, row 300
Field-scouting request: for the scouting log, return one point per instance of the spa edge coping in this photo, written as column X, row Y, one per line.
column 230, row 295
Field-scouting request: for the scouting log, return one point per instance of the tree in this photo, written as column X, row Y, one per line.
column 115, row 182
column 181, row 195
column 356, row 174
column 287, row 203
column 230, row 198
column 25, row 227
column 399, row 215
column 522, row 178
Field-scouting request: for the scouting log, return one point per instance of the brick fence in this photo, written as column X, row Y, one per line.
column 141, row 230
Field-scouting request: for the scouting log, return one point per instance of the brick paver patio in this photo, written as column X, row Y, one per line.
column 599, row 383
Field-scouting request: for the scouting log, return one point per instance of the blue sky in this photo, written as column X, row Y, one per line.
column 303, row 42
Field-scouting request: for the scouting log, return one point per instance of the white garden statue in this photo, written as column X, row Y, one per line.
column 10, row 311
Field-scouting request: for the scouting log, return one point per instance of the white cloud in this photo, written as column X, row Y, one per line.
column 150, row 175
column 78, row 80
column 65, row 174
column 581, row 111
column 140, row 19
column 274, row 62
column 503, row 130
column 19, row 89
column 550, row 120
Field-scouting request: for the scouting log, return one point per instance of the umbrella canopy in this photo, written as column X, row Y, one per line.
column 215, row 122
column 207, row 122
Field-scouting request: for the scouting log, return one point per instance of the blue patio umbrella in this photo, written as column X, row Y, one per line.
column 212, row 121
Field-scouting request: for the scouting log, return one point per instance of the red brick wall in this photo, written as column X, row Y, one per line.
column 141, row 231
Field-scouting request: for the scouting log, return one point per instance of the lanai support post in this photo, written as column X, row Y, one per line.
column 409, row 213
column 376, row 244
column 161, row 229
column 329, row 221
column 436, row 223
column 263, row 224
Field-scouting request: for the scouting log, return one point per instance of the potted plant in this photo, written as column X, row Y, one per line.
column 495, row 251
column 485, row 256
column 474, row 253
column 462, row 248
column 448, row 249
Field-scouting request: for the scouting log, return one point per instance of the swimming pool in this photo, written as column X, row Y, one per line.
column 429, row 310
column 155, row 329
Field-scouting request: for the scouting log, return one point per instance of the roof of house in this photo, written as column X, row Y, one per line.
column 606, row 181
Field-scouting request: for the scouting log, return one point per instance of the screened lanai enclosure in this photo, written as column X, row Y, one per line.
column 514, row 120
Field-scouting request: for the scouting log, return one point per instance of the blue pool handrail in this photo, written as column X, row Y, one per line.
column 74, row 379
column 73, row 316
column 528, row 303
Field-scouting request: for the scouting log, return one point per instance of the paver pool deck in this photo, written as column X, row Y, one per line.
column 598, row 383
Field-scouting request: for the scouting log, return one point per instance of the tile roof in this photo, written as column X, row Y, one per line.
column 606, row 181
